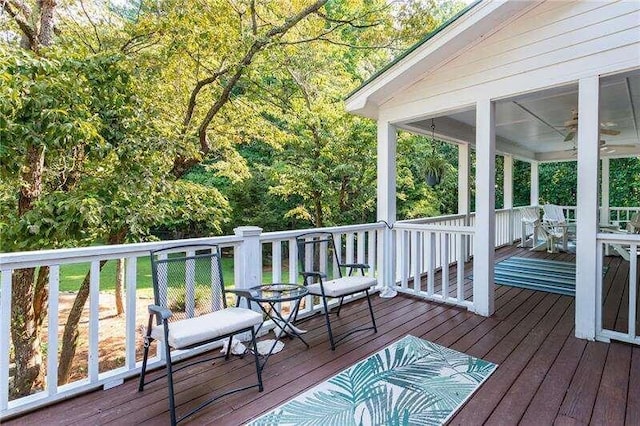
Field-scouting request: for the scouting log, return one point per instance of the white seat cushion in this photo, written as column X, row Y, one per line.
column 192, row 331
column 341, row 286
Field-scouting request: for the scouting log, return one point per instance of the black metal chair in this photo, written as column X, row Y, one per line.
column 314, row 251
column 191, row 310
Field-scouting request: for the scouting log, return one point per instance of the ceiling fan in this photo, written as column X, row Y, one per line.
column 572, row 128
column 604, row 148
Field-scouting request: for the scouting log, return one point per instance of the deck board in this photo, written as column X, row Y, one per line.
column 545, row 375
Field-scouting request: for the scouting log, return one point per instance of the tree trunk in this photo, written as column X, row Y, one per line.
column 71, row 334
column 47, row 10
column 25, row 324
column 25, row 335
column 119, row 286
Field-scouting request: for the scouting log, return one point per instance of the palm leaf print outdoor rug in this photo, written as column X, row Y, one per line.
column 410, row 382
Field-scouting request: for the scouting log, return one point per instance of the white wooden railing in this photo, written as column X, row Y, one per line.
column 621, row 215
column 359, row 242
column 426, row 251
column 424, row 248
column 629, row 243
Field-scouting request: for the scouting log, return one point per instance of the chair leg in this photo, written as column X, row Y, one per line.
column 328, row 321
column 255, row 356
column 147, row 343
column 339, row 307
column 226, row 356
column 172, row 402
column 145, row 356
column 373, row 320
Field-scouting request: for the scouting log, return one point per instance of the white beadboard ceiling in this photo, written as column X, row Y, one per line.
column 534, row 122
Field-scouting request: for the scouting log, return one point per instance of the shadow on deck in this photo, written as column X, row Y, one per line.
column 544, row 375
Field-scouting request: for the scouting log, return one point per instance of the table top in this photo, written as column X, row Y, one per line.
column 277, row 292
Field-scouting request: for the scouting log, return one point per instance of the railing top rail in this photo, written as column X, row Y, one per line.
column 435, row 228
column 284, row 235
column 618, row 238
column 432, row 219
column 26, row 259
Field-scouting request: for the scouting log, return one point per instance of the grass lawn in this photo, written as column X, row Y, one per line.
column 71, row 276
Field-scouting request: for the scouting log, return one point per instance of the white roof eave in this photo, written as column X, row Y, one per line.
column 484, row 19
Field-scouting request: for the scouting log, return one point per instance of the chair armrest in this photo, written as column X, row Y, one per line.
column 238, row 292
column 355, row 265
column 307, row 274
column 163, row 313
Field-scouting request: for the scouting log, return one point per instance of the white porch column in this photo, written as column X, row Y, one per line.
column 535, row 184
column 464, row 200
column 386, row 205
column 484, row 240
column 507, row 192
column 587, row 212
column 604, row 192
column 464, row 165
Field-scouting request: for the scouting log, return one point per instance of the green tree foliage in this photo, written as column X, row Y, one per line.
column 104, row 175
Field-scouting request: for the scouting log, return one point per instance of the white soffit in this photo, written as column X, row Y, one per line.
column 482, row 20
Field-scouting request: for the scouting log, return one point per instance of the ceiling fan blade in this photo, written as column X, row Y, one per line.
column 569, row 136
column 610, row 132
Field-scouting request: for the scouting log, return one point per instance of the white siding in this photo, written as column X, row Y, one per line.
column 551, row 44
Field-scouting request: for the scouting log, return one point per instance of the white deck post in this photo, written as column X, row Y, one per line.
column 507, row 193
column 386, row 205
column 535, row 184
column 464, row 200
column 249, row 257
column 484, row 240
column 587, row 212
column 604, row 192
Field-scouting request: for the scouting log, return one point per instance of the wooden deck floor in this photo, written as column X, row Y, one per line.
column 545, row 375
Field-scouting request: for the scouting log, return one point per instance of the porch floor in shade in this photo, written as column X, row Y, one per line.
column 544, row 375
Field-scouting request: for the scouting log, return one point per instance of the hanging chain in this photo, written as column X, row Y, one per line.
column 433, row 136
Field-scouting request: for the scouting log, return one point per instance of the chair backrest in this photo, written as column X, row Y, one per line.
column 187, row 280
column 530, row 214
column 633, row 226
column 317, row 253
column 553, row 213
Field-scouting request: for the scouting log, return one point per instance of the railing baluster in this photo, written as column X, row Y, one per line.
column 633, row 289
column 52, row 331
column 460, row 265
column 293, row 261
column 416, row 256
column 599, row 267
column 431, row 279
column 131, row 283
column 190, row 285
column 324, row 248
column 94, row 320
column 5, row 342
column 308, row 266
column 337, row 240
column 349, row 248
column 276, row 261
column 371, row 253
column 403, row 253
column 444, row 271
column 361, row 245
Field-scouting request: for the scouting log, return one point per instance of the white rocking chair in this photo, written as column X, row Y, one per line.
column 556, row 226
